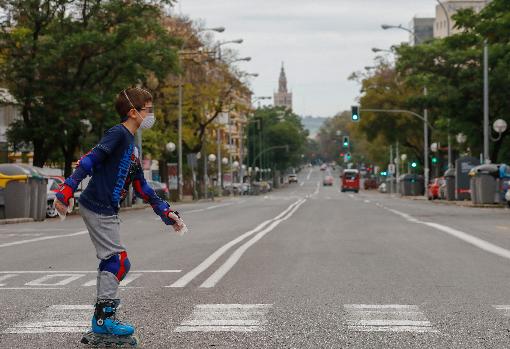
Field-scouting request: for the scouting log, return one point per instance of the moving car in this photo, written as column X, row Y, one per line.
column 324, row 167
column 293, row 178
column 350, row 180
column 328, row 180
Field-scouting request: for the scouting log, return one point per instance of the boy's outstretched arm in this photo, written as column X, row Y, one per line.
column 87, row 163
column 160, row 206
column 83, row 169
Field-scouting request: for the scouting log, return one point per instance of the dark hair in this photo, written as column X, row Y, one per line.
column 131, row 98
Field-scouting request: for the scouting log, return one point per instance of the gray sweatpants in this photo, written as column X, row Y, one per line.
column 104, row 232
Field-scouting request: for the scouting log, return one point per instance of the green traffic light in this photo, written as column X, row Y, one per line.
column 414, row 164
column 434, row 160
column 355, row 117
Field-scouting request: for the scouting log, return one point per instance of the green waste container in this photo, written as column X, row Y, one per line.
column 25, row 191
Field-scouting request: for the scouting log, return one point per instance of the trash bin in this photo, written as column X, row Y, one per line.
column 38, row 192
column 449, row 177
column 25, row 191
column 484, row 184
column 411, row 185
column 15, row 191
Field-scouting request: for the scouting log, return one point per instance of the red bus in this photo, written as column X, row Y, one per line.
column 350, row 181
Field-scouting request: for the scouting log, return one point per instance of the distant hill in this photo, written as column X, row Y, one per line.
column 313, row 124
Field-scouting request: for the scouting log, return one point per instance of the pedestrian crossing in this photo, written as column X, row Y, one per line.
column 37, row 280
column 394, row 319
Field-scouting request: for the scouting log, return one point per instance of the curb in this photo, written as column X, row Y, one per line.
column 15, row 220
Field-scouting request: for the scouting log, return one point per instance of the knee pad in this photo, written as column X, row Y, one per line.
column 118, row 265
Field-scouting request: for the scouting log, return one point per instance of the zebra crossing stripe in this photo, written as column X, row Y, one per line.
column 387, row 318
column 43, row 281
column 503, row 309
column 226, row 318
column 127, row 280
column 5, row 277
column 56, row 319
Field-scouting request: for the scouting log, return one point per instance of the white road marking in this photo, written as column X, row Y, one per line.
column 367, row 201
column 301, row 184
column 6, row 276
column 386, row 318
column 226, row 318
column 21, row 242
column 309, row 174
column 83, row 271
column 31, row 288
column 127, row 280
column 90, row 283
column 470, row 239
column 43, row 281
column 56, row 319
column 185, row 279
column 503, row 309
column 234, row 258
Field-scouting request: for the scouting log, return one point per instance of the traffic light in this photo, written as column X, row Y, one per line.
column 414, row 164
column 348, row 155
column 434, row 160
column 384, row 173
column 346, row 142
column 355, row 113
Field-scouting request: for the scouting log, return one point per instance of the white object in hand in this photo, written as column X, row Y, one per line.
column 69, row 208
column 179, row 226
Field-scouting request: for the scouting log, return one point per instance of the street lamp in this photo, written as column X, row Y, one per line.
column 237, row 41
column 375, row 50
column 244, row 59
column 179, row 124
column 400, row 26
column 499, row 126
column 170, row 147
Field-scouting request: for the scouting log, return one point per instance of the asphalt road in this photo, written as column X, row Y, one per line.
column 302, row 267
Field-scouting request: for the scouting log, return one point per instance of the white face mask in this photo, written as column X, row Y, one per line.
column 148, row 122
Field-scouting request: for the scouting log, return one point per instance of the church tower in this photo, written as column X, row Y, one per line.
column 283, row 98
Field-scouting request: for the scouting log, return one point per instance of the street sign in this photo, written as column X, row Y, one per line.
column 391, row 169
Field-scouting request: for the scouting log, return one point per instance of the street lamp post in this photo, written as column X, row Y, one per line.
column 179, row 122
column 400, row 26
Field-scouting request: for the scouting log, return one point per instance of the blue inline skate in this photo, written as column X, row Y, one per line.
column 107, row 330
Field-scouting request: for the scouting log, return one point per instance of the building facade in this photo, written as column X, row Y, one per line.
column 283, row 98
column 441, row 29
column 422, row 28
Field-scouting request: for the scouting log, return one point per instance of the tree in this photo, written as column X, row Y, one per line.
column 276, row 127
column 65, row 61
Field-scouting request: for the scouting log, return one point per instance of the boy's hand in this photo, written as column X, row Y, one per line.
column 174, row 219
column 60, row 207
column 64, row 194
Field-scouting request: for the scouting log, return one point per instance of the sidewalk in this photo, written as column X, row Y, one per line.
column 465, row 203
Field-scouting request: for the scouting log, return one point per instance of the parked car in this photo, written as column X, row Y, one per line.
column 370, row 183
column 161, row 189
column 51, row 189
column 293, row 178
column 328, row 180
column 324, row 167
column 433, row 188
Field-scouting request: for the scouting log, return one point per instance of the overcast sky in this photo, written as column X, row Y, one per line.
column 321, row 42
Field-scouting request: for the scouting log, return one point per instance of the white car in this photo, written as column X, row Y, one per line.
column 293, row 178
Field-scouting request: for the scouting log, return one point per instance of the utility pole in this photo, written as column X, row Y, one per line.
column 391, row 162
column 397, row 168
column 486, row 155
column 450, row 164
column 426, row 144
